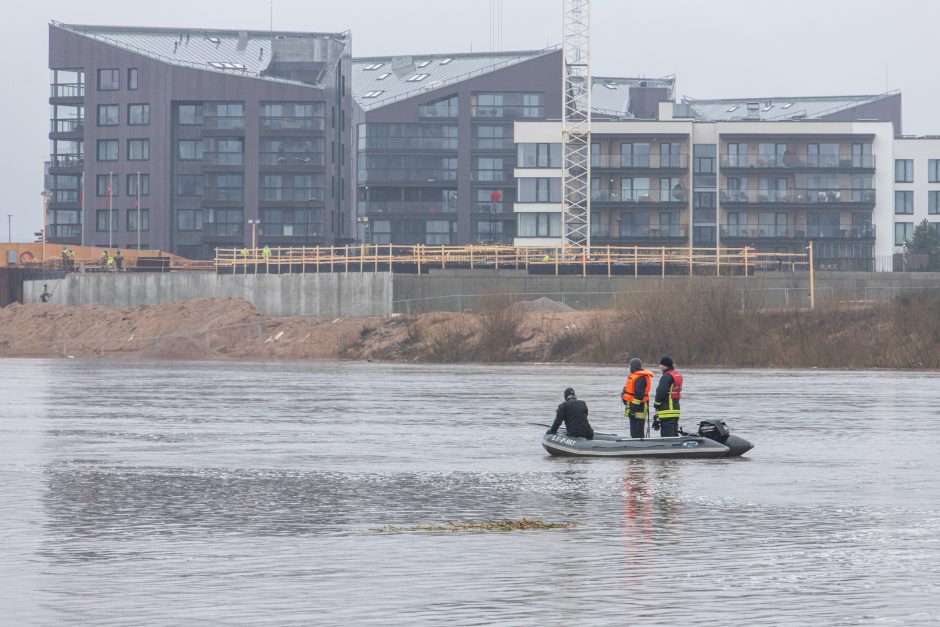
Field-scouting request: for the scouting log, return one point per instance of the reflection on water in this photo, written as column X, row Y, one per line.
column 244, row 493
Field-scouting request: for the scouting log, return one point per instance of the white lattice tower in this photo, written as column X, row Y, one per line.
column 576, row 127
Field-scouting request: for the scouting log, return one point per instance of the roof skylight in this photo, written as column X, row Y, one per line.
column 383, row 76
column 423, row 64
column 374, row 94
column 733, row 108
column 446, row 61
column 373, row 66
column 417, row 78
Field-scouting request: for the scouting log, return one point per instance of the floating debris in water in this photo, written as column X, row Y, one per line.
column 526, row 524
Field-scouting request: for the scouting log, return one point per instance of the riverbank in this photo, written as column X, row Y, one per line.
column 703, row 328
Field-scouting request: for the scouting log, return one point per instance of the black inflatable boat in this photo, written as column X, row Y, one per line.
column 712, row 440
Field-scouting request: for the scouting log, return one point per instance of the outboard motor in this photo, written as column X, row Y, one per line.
column 714, row 429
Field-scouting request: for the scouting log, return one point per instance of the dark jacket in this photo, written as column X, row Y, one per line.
column 662, row 392
column 574, row 414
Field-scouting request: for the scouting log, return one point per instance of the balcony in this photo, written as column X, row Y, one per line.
column 437, row 111
column 640, row 162
column 67, row 90
column 67, row 161
column 494, row 143
column 65, row 127
column 798, row 232
column 490, row 208
column 408, row 143
column 292, row 159
column 491, row 175
column 374, row 207
column 798, row 196
column 532, row 112
column 672, row 232
column 406, row 175
column 290, row 123
column 673, row 198
column 797, row 162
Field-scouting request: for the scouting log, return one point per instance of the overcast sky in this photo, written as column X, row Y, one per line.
column 717, row 48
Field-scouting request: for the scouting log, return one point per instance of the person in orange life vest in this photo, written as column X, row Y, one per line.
column 636, row 397
column 668, row 393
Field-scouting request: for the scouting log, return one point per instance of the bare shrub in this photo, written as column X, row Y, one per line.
column 499, row 323
column 448, row 340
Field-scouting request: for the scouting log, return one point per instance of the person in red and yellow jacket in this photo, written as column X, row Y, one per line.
column 636, row 397
column 668, row 393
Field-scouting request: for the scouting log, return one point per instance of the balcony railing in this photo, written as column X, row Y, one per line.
column 675, row 197
column 68, row 90
column 494, row 143
column 291, row 123
column 224, row 123
column 492, row 207
column 490, row 175
column 798, row 162
column 223, row 158
column 396, row 206
column 437, row 111
column 509, row 111
column 640, row 162
column 408, row 143
column 416, row 176
column 797, row 196
column 67, row 161
column 674, row 231
column 66, row 197
column 784, row 231
column 67, row 126
column 302, row 159
column 65, row 231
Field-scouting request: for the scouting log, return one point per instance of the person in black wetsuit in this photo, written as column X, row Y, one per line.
column 574, row 413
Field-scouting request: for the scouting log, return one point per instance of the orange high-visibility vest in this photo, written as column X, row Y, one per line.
column 630, row 389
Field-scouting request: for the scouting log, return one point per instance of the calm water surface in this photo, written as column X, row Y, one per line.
column 232, row 494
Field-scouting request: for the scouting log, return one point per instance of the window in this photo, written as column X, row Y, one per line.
column 771, row 224
column 190, row 115
column 862, row 157
column 438, row 232
column 292, row 187
column 933, row 206
column 508, row 105
column 132, row 184
column 189, row 220
column 933, row 171
column 108, row 150
column 669, row 224
column 224, row 222
column 109, row 80
column 903, row 170
column 132, row 219
column 737, row 156
column 669, row 156
column 539, row 224
column 737, row 224
column 101, row 184
column 138, row 149
column 539, row 156
column 225, row 115
column 539, row 190
column 190, row 149
column 822, row 155
column 138, row 114
column 189, row 185
column 903, row 202
column 771, row 155
column 823, row 224
column 489, row 169
column 635, row 190
column 105, row 222
column 132, row 78
column 283, row 222
column 66, row 188
column 108, row 115
column 672, row 190
column 293, row 115
column 635, row 224
column 487, row 137
column 903, row 233
column 224, row 151
column 226, row 187
column 635, row 155
column 293, row 152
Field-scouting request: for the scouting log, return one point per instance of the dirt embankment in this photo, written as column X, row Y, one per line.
column 697, row 326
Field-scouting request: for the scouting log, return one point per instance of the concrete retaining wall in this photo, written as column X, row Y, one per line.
column 356, row 295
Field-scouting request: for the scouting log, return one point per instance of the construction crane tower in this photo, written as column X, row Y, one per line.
column 576, row 125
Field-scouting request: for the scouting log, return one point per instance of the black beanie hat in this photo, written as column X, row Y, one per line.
column 569, row 393
column 667, row 361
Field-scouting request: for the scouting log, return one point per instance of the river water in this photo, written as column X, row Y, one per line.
column 244, row 493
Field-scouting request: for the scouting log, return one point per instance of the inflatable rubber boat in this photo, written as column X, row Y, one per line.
column 712, row 440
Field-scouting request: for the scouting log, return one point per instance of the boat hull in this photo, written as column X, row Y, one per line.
column 612, row 445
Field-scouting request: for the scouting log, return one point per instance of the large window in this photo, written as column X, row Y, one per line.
column 635, row 224
column 226, row 187
column 306, row 116
column 671, row 189
column 933, row 206
column 416, row 168
column 822, row 155
column 292, row 187
column 737, row 156
column 933, row 171
column 539, row 156
column 489, row 169
column 190, row 149
column 771, row 224
column 225, row 115
column 291, row 222
column 430, row 136
column 132, row 219
column 132, row 75
column 108, row 115
column 103, row 182
column 507, row 105
column 138, row 114
column 669, row 224
column 189, row 185
column 66, row 188
column 292, row 152
column 138, row 149
column 132, row 184
column 190, row 115
column 635, row 155
column 903, row 170
column 669, row 155
column 539, row 224
column 223, row 222
column 224, row 151
column 737, row 224
column 903, row 202
column 438, row 232
column 539, row 190
column 109, row 80
column 106, row 221
column 635, row 190
column 442, row 108
column 108, row 150
column 903, row 233
column 823, row 224
column 771, row 155
column 189, row 220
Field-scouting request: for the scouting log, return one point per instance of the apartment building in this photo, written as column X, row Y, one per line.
column 916, row 185
column 187, row 140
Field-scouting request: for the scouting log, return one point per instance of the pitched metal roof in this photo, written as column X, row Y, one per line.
column 380, row 81
column 245, row 53
column 611, row 96
column 776, row 109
